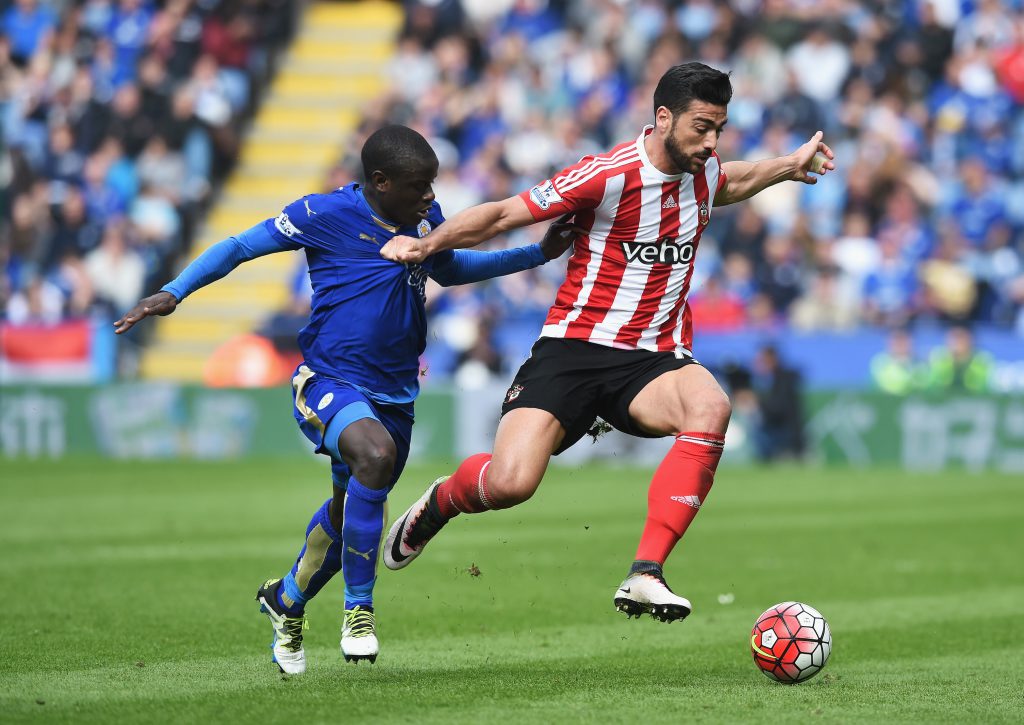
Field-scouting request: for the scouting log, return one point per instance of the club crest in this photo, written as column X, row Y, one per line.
column 513, row 393
column 423, row 228
column 704, row 213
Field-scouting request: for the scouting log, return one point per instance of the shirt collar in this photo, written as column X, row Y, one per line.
column 383, row 223
column 651, row 168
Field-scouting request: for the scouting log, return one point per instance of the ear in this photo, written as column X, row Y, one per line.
column 380, row 181
column 663, row 119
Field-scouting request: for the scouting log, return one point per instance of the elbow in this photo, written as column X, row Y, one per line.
column 506, row 219
column 444, row 279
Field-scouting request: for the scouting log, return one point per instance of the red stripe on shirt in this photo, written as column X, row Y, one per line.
column 657, row 280
column 613, row 263
column 665, row 332
column 576, row 271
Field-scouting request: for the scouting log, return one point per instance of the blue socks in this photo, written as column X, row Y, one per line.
column 326, row 550
column 319, row 560
column 363, row 529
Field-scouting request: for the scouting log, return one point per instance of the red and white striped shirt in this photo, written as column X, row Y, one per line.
column 629, row 276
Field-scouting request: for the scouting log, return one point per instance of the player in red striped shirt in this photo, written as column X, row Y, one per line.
column 617, row 342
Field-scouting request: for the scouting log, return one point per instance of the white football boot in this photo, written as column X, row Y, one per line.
column 287, row 644
column 359, row 635
column 647, row 593
column 411, row 532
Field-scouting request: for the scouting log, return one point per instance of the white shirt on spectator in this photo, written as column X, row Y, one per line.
column 820, row 65
column 117, row 276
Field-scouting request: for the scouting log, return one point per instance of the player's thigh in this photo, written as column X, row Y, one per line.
column 523, row 445
column 685, row 399
column 560, row 378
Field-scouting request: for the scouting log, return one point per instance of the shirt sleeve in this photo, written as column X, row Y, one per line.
column 573, row 189
column 224, row 256
column 463, row 266
column 722, row 176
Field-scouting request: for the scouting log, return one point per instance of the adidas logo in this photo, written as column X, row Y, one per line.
column 693, row 501
column 670, row 203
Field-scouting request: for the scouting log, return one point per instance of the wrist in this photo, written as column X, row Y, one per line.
column 791, row 167
column 429, row 244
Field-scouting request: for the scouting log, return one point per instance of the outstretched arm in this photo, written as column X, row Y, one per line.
column 211, row 265
column 745, row 178
column 464, row 266
column 466, row 229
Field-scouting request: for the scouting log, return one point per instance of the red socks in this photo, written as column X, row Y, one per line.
column 677, row 491
column 465, row 491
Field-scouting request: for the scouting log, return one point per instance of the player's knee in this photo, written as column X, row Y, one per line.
column 710, row 411
column 374, row 464
column 506, row 488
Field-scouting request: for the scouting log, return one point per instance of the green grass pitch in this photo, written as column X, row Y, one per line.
column 129, row 598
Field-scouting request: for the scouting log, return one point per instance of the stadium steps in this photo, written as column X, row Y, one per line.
column 332, row 69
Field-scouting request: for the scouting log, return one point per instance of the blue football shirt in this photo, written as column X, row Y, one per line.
column 368, row 324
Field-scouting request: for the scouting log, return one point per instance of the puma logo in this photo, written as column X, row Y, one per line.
column 365, row 555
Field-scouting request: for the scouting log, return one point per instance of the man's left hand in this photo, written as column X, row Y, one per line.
column 560, row 236
column 807, row 162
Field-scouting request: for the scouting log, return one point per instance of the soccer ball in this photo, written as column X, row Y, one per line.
column 791, row 642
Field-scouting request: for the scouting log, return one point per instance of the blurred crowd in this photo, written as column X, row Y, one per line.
column 118, row 119
column 921, row 100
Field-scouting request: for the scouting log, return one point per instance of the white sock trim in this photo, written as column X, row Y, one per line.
column 480, row 487
column 709, row 442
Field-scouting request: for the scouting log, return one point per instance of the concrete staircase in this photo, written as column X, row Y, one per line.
column 334, row 66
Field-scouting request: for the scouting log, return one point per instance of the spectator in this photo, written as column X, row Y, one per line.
column 780, row 432
column 896, row 370
column 716, row 309
column 28, row 24
column 116, row 271
column 820, row 63
column 891, row 290
column 74, row 232
column 826, row 305
column 959, row 366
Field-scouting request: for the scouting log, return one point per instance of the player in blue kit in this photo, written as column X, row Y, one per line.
column 354, row 391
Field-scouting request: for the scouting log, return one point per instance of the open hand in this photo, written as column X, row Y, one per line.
column 809, row 162
column 560, row 236
column 162, row 303
column 405, row 250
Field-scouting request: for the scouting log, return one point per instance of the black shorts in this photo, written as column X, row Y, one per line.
column 577, row 381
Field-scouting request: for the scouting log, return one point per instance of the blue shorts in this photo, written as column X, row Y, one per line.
column 324, row 407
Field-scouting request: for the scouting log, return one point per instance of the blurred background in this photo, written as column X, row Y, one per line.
column 877, row 317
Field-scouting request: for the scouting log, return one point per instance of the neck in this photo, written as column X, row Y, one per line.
column 655, row 148
column 374, row 202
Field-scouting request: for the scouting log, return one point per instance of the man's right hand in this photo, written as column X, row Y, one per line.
column 405, row 250
column 162, row 303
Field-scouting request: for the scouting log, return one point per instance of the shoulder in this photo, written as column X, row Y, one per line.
column 598, row 166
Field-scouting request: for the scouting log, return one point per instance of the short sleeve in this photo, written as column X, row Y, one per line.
column 300, row 222
column 573, row 189
column 722, row 178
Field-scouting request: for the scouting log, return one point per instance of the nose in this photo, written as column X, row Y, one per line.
column 429, row 196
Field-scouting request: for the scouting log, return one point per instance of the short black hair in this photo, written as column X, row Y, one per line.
column 691, row 81
column 395, row 149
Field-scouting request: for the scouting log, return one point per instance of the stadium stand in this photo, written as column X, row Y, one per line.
column 922, row 99
column 120, row 120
